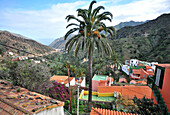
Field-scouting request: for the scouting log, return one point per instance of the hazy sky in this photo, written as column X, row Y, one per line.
column 44, row 20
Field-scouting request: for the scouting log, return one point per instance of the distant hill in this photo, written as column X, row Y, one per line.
column 22, row 43
column 130, row 23
column 59, row 43
column 149, row 41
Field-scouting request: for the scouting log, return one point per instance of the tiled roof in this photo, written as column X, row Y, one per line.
column 61, row 79
column 17, row 100
column 142, row 82
column 164, row 65
column 150, row 73
column 148, row 67
column 123, row 79
column 127, row 91
column 99, row 111
column 133, row 82
column 137, row 71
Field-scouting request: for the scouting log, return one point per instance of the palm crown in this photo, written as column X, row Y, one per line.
column 92, row 31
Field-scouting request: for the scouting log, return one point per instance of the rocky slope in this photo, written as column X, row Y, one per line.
column 22, row 43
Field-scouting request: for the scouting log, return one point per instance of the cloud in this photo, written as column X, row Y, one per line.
column 51, row 23
column 139, row 10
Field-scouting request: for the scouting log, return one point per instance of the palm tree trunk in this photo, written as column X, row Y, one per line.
column 90, row 77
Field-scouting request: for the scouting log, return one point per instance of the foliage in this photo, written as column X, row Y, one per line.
column 58, row 91
column 146, row 106
column 34, row 77
column 92, row 33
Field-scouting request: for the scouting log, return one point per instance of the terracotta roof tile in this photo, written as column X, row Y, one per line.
column 61, row 79
column 23, row 102
column 123, row 80
column 137, row 71
column 164, row 65
column 97, row 111
column 148, row 67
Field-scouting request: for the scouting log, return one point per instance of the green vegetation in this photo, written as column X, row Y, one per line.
column 91, row 35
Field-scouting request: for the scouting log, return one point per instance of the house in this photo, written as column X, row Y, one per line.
column 64, row 80
column 15, row 100
column 99, row 111
column 134, row 62
column 141, row 82
column 81, row 81
column 126, row 91
column 126, row 69
column 162, row 81
column 101, row 80
column 20, row 58
column 123, row 80
column 127, row 62
column 141, row 73
column 132, row 82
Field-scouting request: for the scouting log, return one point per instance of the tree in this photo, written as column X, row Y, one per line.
column 92, row 34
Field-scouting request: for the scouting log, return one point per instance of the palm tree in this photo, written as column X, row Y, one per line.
column 92, row 34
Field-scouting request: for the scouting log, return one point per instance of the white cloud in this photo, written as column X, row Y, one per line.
column 139, row 10
column 51, row 23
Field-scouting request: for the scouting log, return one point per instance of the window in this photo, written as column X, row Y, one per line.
column 159, row 76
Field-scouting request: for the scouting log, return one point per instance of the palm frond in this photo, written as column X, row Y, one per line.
column 70, row 32
column 96, row 10
column 69, row 17
column 90, row 8
column 71, row 25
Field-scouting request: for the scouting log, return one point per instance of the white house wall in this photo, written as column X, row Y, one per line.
column 125, row 69
column 55, row 111
column 72, row 83
column 83, row 83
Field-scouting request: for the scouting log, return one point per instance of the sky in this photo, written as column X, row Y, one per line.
column 44, row 20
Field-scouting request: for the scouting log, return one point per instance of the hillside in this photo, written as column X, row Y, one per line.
column 59, row 43
column 129, row 23
column 22, row 43
column 149, row 41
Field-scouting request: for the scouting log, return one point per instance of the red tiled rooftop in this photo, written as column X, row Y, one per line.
column 142, row 82
column 127, row 91
column 137, row 71
column 99, row 111
column 133, row 82
column 123, row 80
column 148, row 67
column 164, row 65
column 23, row 101
column 60, row 79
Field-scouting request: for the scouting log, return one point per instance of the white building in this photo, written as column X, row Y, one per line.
column 134, row 62
column 125, row 68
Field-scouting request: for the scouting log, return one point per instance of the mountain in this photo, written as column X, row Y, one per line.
column 59, row 43
column 149, row 41
column 22, row 43
column 130, row 23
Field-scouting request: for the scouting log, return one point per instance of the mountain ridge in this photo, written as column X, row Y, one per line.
column 148, row 41
column 21, row 42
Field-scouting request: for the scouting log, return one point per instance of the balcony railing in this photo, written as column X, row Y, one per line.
column 158, row 96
